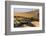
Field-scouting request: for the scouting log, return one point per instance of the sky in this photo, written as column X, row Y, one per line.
column 23, row 9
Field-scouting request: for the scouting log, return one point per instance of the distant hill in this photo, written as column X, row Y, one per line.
column 28, row 14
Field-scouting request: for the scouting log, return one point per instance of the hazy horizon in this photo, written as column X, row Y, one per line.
column 23, row 9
